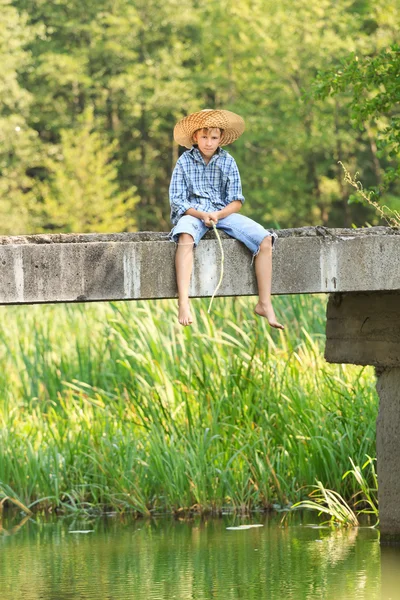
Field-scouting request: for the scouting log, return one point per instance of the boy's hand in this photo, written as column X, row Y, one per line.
column 210, row 218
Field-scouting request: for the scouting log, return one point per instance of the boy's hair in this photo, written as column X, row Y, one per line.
column 207, row 129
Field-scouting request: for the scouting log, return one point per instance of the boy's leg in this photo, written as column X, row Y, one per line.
column 260, row 242
column 187, row 233
column 263, row 268
column 184, row 266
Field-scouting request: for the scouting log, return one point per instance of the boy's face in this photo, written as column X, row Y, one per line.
column 207, row 140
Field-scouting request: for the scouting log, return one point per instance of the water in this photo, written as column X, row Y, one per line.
column 163, row 559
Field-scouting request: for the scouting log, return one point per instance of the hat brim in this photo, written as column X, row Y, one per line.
column 232, row 125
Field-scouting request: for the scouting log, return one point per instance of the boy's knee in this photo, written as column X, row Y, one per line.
column 266, row 244
column 185, row 238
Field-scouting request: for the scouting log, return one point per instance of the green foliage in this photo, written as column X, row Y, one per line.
column 7, row 494
column 331, row 503
column 142, row 65
column 373, row 81
column 117, row 405
column 82, row 191
column 367, row 496
column 19, row 148
column 391, row 216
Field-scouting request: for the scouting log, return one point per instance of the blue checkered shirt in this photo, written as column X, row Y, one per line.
column 203, row 187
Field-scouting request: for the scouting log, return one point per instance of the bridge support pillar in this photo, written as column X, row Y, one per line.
column 388, row 454
column 364, row 329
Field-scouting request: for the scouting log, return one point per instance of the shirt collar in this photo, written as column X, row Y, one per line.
column 195, row 152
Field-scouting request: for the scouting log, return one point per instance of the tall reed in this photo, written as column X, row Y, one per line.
column 331, row 503
column 115, row 405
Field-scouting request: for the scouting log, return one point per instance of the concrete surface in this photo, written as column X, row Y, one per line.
column 95, row 267
column 388, row 454
column 363, row 328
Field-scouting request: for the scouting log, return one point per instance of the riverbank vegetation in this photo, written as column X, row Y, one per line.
column 115, row 406
column 364, row 502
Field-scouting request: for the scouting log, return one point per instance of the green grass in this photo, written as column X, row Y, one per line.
column 115, row 405
column 331, row 503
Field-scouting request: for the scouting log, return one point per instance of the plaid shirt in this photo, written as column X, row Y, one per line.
column 203, row 187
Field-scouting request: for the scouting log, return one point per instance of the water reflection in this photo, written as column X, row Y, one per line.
column 390, row 572
column 196, row 560
column 15, row 528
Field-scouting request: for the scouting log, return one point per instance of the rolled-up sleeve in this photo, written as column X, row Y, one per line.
column 178, row 193
column 234, row 185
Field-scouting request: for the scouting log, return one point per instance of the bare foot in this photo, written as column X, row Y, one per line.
column 184, row 314
column 267, row 311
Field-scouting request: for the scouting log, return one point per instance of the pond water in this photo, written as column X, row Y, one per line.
column 162, row 559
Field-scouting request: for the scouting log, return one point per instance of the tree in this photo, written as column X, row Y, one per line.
column 19, row 144
column 293, row 140
column 374, row 84
column 81, row 193
column 143, row 64
column 127, row 60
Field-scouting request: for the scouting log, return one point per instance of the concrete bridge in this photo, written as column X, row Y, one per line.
column 359, row 269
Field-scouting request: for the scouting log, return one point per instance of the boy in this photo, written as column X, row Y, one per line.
column 206, row 188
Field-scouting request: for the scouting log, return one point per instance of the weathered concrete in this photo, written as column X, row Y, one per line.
column 95, row 267
column 364, row 328
column 388, row 454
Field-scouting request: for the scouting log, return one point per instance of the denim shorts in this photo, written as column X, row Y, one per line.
column 237, row 226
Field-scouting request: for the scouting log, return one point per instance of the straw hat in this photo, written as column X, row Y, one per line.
column 231, row 123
